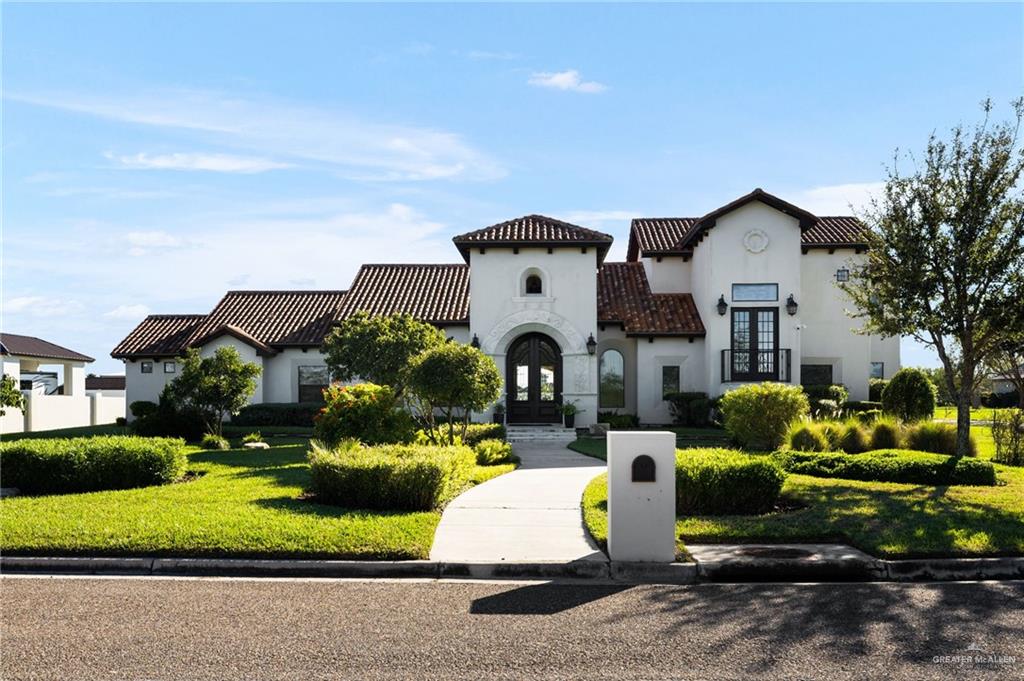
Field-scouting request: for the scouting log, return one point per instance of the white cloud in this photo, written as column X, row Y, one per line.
column 350, row 146
column 837, row 199
column 219, row 163
column 127, row 312
column 566, row 80
column 41, row 306
column 143, row 243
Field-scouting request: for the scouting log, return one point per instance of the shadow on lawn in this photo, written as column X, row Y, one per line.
column 840, row 621
column 309, row 506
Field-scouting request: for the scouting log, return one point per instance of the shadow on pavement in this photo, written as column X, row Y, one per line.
column 543, row 599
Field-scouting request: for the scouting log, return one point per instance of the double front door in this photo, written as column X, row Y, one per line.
column 534, row 380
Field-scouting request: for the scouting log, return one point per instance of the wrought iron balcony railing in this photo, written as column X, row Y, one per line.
column 756, row 365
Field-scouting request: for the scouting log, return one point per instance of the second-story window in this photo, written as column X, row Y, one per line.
column 534, row 285
column 843, row 274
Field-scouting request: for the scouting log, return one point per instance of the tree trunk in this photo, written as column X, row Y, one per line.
column 963, row 408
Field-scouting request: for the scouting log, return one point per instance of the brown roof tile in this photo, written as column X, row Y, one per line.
column 835, row 230
column 274, row 318
column 438, row 294
column 158, row 335
column 114, row 382
column 533, row 230
column 651, row 236
column 30, row 346
column 624, row 296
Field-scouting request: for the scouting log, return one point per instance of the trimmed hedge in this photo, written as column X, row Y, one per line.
column 493, row 452
column 90, row 464
column 278, row 414
column 759, row 414
column 398, row 477
column 725, row 481
column 890, row 465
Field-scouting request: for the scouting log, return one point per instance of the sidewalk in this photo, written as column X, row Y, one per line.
column 529, row 515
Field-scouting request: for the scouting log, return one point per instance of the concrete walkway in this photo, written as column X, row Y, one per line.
column 529, row 515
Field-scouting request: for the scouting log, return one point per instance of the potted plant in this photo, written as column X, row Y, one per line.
column 499, row 413
column 569, row 411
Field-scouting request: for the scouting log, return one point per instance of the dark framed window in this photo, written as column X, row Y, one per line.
column 669, row 380
column 534, row 285
column 170, row 367
column 146, row 367
column 843, row 274
column 313, row 379
column 755, row 293
column 816, row 374
column 878, row 370
column 755, row 343
column 612, row 384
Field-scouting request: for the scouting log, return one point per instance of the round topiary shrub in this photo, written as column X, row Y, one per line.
column 366, row 412
column 758, row 415
column 885, row 434
column 806, row 436
column 854, row 439
column 725, row 481
column 909, row 396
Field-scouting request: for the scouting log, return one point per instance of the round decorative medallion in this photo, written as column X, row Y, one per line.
column 755, row 240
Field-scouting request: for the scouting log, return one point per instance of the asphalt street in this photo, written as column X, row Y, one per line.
column 147, row 628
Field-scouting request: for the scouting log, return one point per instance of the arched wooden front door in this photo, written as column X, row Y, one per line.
column 533, row 379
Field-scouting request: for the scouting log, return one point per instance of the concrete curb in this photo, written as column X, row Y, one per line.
column 923, row 570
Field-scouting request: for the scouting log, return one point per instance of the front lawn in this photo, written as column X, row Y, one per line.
column 885, row 519
column 245, row 503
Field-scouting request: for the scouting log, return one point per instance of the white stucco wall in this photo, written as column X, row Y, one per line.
column 887, row 351
column 281, row 373
column 566, row 311
column 651, row 357
column 105, row 408
column 49, row 412
column 671, row 275
column 146, row 387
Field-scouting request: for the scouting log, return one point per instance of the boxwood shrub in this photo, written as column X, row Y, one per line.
column 278, row 414
column 725, row 481
column 90, row 464
column 758, row 415
column 890, row 465
column 398, row 477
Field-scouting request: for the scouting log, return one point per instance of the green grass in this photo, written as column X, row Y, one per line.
column 245, row 504
column 885, row 519
column 977, row 413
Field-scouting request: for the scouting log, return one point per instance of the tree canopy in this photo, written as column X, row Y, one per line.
column 10, row 395
column 214, row 386
column 946, row 252
column 378, row 349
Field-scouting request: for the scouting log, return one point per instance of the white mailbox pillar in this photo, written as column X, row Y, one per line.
column 642, row 496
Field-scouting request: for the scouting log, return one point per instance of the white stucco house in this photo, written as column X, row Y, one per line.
column 745, row 293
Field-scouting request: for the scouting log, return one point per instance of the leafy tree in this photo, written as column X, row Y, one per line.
column 10, row 395
column 378, row 349
column 946, row 253
column 455, row 380
column 214, row 386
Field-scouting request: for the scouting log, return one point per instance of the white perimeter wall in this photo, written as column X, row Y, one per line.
column 651, row 357
column 140, row 387
column 566, row 311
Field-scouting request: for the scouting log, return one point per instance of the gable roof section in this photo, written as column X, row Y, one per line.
column 438, row 294
column 261, row 348
column 651, row 237
column 30, row 346
column 273, row 318
column 533, row 230
column 158, row 335
column 109, row 382
column 624, row 297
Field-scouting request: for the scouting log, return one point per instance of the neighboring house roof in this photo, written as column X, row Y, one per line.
column 272, row 318
column 158, row 335
column 438, row 294
column 30, row 346
column 533, row 230
column 94, row 382
column 624, row 297
column 651, row 237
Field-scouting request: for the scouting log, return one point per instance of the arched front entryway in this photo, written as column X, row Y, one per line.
column 533, row 380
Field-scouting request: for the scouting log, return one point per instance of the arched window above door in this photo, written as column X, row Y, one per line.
column 534, row 285
column 611, row 380
column 533, row 282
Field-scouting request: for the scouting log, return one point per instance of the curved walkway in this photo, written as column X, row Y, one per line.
column 529, row 515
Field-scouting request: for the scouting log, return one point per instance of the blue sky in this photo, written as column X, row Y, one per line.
column 156, row 156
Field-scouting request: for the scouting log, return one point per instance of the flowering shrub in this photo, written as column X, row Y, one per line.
column 365, row 412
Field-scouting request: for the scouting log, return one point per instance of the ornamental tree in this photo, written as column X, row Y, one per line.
column 945, row 263
column 10, row 395
column 214, row 386
column 378, row 349
column 452, row 380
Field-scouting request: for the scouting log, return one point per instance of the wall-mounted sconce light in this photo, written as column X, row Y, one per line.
column 475, row 342
column 791, row 306
column 591, row 345
column 722, row 305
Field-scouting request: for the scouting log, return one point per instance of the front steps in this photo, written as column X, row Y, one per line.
column 547, row 434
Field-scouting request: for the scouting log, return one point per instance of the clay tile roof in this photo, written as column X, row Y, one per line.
column 651, row 236
column 438, row 294
column 30, row 346
column 158, row 335
column 836, row 230
column 272, row 318
column 624, row 297
column 231, row 330
column 533, row 230
column 113, row 382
